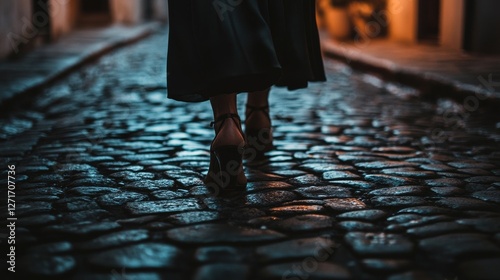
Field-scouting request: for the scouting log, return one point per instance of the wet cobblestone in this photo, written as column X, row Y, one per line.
column 360, row 186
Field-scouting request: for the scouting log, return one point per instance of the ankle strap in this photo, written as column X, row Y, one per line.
column 252, row 109
column 224, row 117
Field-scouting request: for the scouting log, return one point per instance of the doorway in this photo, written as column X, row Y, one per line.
column 41, row 20
column 428, row 21
column 94, row 13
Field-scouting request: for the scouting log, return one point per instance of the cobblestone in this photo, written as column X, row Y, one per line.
column 403, row 190
column 437, row 229
column 364, row 215
column 381, row 244
column 358, row 226
column 457, row 245
column 389, row 180
column 270, row 198
column 119, row 198
column 222, row 270
column 110, row 174
column 297, row 270
column 397, row 201
column 82, row 228
column 296, row 209
column 344, row 204
column 387, row 265
column 491, row 225
column 310, row 222
column 115, row 239
column 427, row 210
column 147, row 255
column 222, row 254
column 339, row 175
column 38, row 220
column 162, row 206
column 492, row 195
column 193, row 217
column 48, row 265
column 221, row 233
column 296, row 249
column 465, row 203
column 323, row 192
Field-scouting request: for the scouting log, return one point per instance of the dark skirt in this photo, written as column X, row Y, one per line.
column 231, row 46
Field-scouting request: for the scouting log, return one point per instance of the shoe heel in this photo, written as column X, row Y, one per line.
column 260, row 141
column 226, row 167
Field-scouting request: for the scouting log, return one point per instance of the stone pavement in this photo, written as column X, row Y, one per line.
column 38, row 68
column 435, row 70
column 366, row 182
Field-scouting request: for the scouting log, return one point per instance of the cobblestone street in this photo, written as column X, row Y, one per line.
column 367, row 181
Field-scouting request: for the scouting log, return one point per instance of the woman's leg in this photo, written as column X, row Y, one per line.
column 227, row 149
column 258, row 129
column 258, row 119
column 228, row 133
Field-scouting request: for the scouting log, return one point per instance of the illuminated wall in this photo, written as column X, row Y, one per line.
column 22, row 21
column 15, row 24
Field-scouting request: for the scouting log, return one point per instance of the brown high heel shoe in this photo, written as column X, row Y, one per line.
column 258, row 140
column 226, row 161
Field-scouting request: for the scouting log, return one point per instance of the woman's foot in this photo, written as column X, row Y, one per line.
column 227, row 148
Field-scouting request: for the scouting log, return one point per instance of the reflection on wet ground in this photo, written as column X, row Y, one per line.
column 367, row 181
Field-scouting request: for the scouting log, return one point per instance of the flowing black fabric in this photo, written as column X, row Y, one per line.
column 227, row 46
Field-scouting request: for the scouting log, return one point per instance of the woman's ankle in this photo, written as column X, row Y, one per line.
column 228, row 133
